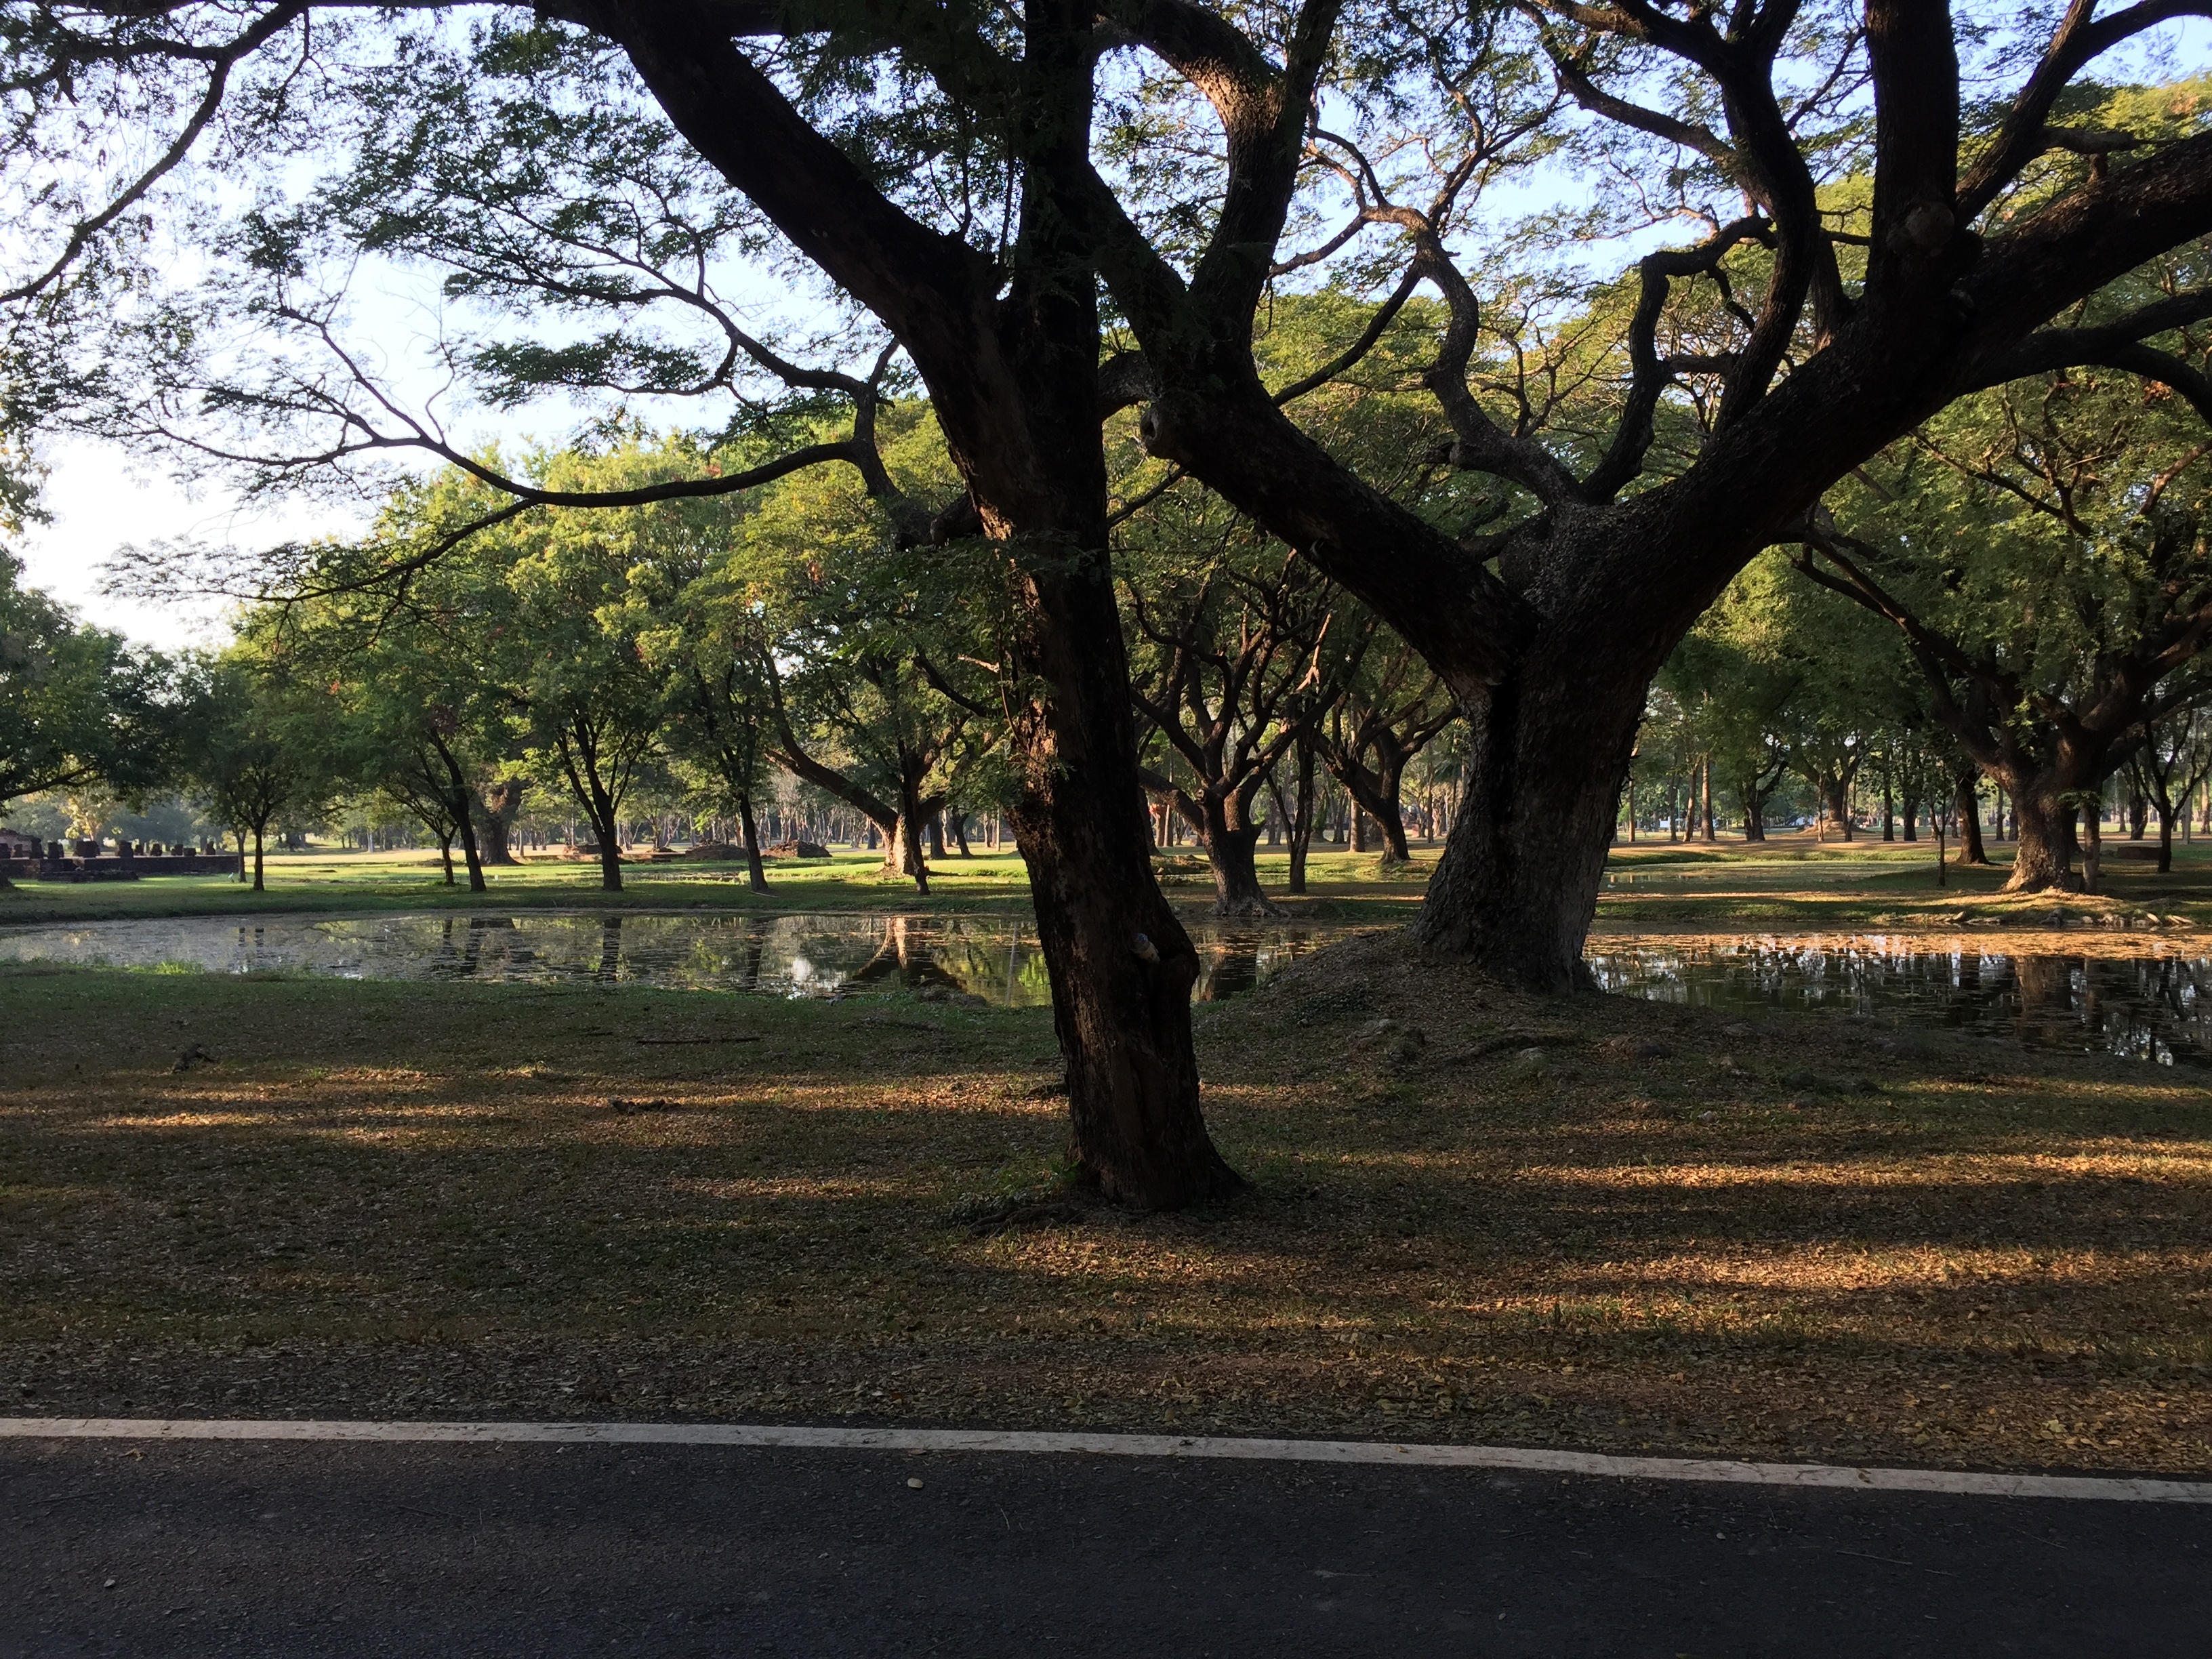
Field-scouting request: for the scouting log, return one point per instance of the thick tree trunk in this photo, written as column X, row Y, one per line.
column 256, row 859
column 1754, row 802
column 2165, row 837
column 1548, row 754
column 2043, row 845
column 1392, row 823
column 756, row 871
column 501, row 803
column 1836, row 804
column 1121, row 966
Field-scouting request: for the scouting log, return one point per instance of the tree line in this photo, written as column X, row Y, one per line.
column 1072, row 233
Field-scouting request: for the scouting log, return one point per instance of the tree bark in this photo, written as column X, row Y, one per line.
column 2165, row 836
column 1970, row 850
column 1549, row 754
column 756, row 871
column 2043, row 843
column 501, row 803
column 1232, row 842
column 1299, row 814
column 459, row 798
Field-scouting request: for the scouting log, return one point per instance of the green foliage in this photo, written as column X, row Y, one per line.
column 78, row 704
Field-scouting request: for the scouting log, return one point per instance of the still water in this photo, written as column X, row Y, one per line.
column 792, row 956
column 2155, row 1006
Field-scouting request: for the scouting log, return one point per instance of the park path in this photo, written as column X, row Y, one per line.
column 500, row 1546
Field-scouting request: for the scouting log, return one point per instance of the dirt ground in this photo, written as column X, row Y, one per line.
column 1475, row 1216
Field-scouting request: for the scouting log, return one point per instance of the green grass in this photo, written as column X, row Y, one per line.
column 1787, row 883
column 1345, row 886
column 1794, row 882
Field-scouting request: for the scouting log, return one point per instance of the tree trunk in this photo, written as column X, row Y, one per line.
column 1970, row 850
column 1392, row 823
column 461, row 798
column 2043, row 844
column 903, row 844
column 1121, row 966
column 1302, row 817
column 1836, row 801
column 446, row 856
column 256, row 859
column 1547, row 756
column 755, row 872
column 2165, row 836
column 501, row 803
column 1753, row 800
column 1232, row 838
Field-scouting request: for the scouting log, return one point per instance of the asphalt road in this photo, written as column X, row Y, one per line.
column 114, row 1548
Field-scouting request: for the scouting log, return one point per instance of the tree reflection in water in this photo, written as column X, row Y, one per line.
column 2151, row 1007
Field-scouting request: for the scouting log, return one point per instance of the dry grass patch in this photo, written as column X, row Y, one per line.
column 1475, row 1216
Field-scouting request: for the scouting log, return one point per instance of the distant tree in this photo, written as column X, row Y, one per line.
column 259, row 741
column 2042, row 552
column 78, row 705
column 2169, row 765
column 1227, row 627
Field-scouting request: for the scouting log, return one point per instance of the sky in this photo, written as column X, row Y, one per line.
column 103, row 499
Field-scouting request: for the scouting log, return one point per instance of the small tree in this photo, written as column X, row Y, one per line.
column 259, row 747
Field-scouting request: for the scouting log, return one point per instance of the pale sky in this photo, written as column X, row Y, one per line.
column 103, row 498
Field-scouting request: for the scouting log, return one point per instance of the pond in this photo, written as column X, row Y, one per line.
column 793, row 956
column 2153, row 1005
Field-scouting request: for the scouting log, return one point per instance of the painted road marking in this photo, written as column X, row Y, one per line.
column 1413, row 1454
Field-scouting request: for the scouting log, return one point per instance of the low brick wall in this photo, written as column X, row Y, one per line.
column 109, row 867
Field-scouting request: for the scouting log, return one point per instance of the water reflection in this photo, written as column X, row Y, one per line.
column 2148, row 1007
column 801, row 956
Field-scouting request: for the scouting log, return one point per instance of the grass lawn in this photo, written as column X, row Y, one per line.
column 1791, row 883
column 1344, row 886
column 1591, row 1223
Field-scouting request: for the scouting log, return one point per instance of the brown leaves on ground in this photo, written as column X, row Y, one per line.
column 1587, row 1222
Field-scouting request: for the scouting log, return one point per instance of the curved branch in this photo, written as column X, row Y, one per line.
column 222, row 60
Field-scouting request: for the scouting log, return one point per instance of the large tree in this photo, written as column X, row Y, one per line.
column 968, row 179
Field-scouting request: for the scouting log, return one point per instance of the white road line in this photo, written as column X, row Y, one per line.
column 1529, row 1460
